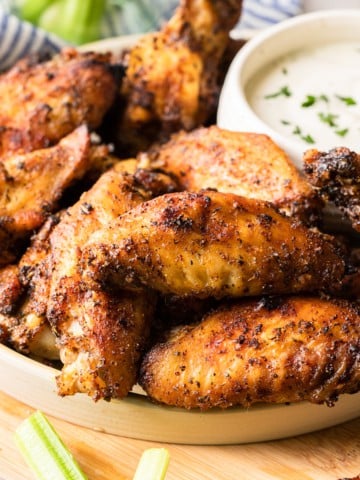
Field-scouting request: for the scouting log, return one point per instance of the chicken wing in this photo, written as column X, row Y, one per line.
column 24, row 298
column 31, row 185
column 172, row 76
column 101, row 333
column 41, row 102
column 211, row 244
column 247, row 164
column 10, row 291
column 270, row 350
column 337, row 176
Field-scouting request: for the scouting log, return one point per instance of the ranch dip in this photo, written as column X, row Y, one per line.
column 312, row 95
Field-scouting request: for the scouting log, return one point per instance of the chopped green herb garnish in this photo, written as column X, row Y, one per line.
column 297, row 130
column 310, row 100
column 308, row 138
column 282, row 91
column 347, row 100
column 285, row 122
column 328, row 118
column 342, row 132
column 284, row 71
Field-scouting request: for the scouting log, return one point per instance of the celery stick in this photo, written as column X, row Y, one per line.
column 77, row 21
column 44, row 451
column 153, row 464
column 31, row 10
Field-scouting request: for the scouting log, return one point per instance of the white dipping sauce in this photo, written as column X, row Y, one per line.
column 326, row 78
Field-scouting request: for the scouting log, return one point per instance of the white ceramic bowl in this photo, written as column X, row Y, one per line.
column 235, row 111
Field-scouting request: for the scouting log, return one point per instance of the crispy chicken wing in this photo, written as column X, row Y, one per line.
column 41, row 102
column 270, row 350
column 31, row 185
column 10, row 291
column 24, row 298
column 171, row 79
column 337, row 176
column 247, row 164
column 211, row 244
column 101, row 332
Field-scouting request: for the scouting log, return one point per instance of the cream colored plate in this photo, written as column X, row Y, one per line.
column 136, row 417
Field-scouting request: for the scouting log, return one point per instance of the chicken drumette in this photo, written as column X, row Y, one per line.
column 172, row 76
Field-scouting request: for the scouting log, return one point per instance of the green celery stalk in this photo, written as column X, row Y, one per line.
column 44, row 451
column 77, row 21
column 31, row 10
column 153, row 464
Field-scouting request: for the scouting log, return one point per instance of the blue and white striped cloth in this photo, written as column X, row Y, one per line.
column 18, row 39
column 262, row 13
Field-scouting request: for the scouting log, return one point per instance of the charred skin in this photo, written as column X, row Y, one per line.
column 274, row 350
column 247, row 164
column 336, row 174
column 44, row 101
column 211, row 244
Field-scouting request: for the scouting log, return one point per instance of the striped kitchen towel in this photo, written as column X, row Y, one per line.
column 18, row 38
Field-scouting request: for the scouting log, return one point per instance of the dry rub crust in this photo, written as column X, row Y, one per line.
column 270, row 350
column 211, row 244
column 41, row 102
column 247, row 164
column 101, row 332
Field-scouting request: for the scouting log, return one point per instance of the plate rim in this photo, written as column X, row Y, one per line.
column 136, row 416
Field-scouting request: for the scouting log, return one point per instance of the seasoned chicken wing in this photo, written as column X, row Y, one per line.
column 10, row 291
column 172, row 76
column 24, row 297
column 211, row 244
column 270, row 350
column 41, row 102
column 337, row 176
column 31, row 185
column 247, row 164
column 101, row 332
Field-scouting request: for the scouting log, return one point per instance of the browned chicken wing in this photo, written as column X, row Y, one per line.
column 171, row 79
column 211, row 244
column 247, row 164
column 337, row 176
column 24, row 298
column 41, row 102
column 31, row 185
column 269, row 350
column 101, row 332
column 10, row 291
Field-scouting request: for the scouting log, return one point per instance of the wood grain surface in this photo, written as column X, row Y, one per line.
column 327, row 455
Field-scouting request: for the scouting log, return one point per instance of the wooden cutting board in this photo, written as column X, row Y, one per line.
column 327, row 455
